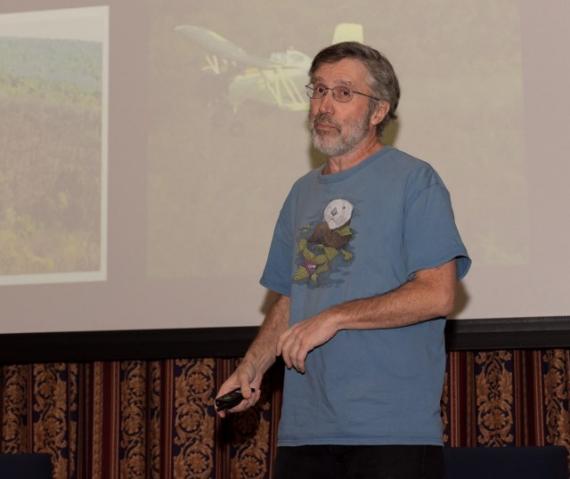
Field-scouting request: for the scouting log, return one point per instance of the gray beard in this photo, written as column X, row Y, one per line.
column 338, row 144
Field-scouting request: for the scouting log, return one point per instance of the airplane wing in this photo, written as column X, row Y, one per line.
column 217, row 45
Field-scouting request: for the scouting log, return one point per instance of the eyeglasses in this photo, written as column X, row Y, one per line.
column 340, row 93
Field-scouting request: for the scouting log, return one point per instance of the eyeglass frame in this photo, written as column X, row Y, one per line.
column 310, row 88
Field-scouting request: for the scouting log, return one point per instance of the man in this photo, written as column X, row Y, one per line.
column 365, row 257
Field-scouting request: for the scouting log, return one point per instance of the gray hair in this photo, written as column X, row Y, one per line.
column 383, row 80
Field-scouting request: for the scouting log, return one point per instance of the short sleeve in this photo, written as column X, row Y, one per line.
column 431, row 237
column 277, row 272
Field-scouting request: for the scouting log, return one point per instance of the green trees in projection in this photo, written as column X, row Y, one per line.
column 50, row 156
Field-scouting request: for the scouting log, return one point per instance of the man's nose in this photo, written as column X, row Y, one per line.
column 327, row 103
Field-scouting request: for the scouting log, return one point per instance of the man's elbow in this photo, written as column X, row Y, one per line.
column 445, row 300
column 439, row 289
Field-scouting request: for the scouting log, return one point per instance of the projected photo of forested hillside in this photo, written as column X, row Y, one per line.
column 51, row 168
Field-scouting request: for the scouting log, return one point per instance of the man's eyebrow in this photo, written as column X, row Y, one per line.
column 338, row 82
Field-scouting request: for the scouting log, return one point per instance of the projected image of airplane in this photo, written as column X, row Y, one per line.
column 278, row 80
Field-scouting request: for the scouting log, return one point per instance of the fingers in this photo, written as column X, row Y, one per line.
column 247, row 403
column 296, row 353
column 300, row 339
column 244, row 378
column 244, row 385
column 294, row 348
column 229, row 385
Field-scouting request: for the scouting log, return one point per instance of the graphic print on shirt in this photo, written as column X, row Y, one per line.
column 322, row 248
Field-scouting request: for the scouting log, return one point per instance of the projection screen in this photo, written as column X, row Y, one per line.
column 146, row 151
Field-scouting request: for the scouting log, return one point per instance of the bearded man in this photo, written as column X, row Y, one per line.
column 365, row 259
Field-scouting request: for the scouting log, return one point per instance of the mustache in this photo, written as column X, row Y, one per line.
column 323, row 119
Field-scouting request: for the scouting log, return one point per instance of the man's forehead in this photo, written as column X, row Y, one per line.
column 345, row 71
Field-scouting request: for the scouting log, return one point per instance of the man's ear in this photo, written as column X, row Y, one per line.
column 382, row 109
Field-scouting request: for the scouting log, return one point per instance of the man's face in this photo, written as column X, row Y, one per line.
column 337, row 128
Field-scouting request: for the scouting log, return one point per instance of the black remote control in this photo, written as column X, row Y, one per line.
column 230, row 400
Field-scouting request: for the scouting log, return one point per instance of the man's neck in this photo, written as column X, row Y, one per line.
column 336, row 164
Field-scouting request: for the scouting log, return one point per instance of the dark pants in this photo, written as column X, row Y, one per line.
column 359, row 462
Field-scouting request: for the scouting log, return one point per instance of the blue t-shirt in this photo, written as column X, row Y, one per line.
column 356, row 234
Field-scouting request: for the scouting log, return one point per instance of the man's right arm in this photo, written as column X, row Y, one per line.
column 259, row 357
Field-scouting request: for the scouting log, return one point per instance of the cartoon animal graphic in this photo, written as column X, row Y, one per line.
column 319, row 247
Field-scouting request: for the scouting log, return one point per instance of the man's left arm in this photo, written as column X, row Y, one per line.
column 429, row 294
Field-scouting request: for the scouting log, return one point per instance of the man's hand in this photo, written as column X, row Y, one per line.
column 245, row 377
column 259, row 357
column 301, row 338
column 430, row 294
